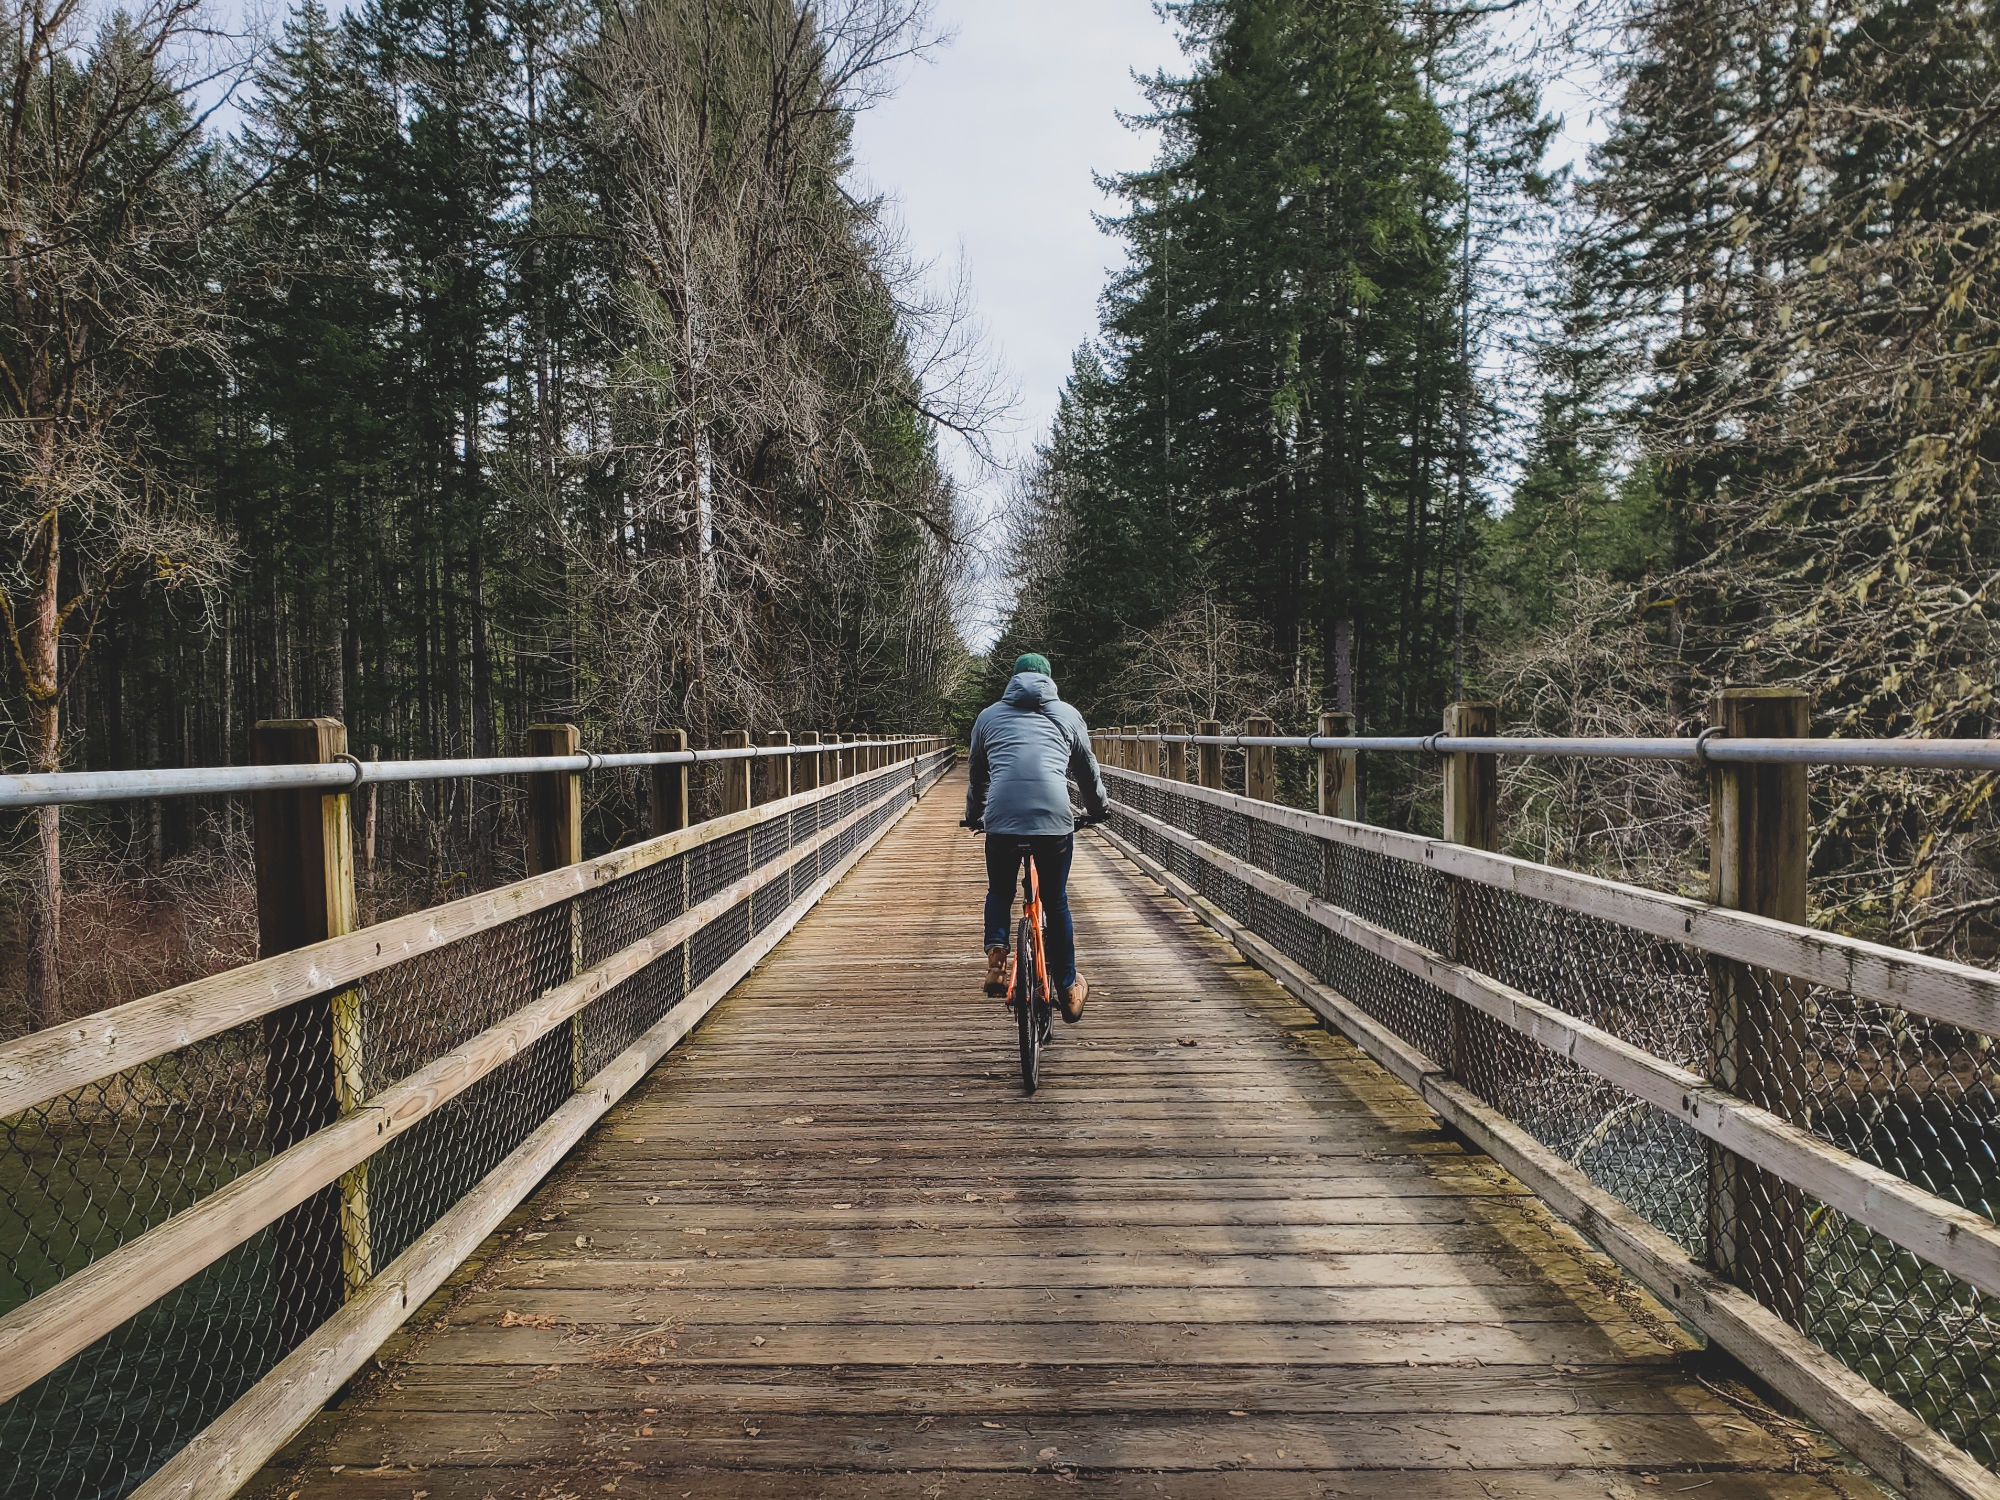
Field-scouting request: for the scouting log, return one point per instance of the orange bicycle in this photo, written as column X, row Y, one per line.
column 1028, row 989
column 1029, row 994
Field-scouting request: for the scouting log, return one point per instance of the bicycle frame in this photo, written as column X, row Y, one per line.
column 1032, row 887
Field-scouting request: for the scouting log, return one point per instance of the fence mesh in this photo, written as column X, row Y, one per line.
column 1911, row 1095
column 87, row 1172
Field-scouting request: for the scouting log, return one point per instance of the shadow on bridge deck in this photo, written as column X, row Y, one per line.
column 830, row 1250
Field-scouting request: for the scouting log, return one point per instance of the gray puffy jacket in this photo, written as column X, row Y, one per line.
column 1023, row 747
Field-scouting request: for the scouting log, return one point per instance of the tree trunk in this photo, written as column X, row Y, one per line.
column 44, row 907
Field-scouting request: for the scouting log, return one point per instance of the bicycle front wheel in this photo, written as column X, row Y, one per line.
column 1029, row 1005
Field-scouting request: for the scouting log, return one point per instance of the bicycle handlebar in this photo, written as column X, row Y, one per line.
column 1086, row 821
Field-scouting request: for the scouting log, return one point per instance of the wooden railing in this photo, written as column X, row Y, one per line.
column 320, row 1137
column 1731, row 1104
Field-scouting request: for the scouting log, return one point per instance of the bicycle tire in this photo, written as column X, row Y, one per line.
column 1027, row 1008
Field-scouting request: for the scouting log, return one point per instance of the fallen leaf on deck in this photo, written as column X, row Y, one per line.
column 758, row 1341
column 994, row 1425
column 513, row 1319
column 537, row 1235
column 1187, row 1041
column 652, row 1197
column 1046, row 1454
column 694, row 1231
column 864, row 1161
column 796, row 1120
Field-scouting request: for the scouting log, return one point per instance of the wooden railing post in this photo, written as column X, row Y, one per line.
column 1336, row 769
column 1485, row 1055
column 669, row 809
column 555, row 802
column 805, row 768
column 829, row 759
column 735, row 773
column 555, row 839
column 1260, row 763
column 1149, row 753
column 1132, row 761
column 314, row 1049
column 1472, row 782
column 774, row 779
column 1759, row 826
column 1208, row 758
column 1176, row 755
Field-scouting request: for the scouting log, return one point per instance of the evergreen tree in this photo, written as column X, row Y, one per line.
column 1273, row 427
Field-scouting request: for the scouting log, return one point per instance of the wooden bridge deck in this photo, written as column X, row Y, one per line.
column 831, row 1251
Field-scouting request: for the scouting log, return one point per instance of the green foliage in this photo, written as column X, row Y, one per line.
column 449, row 420
column 1270, row 434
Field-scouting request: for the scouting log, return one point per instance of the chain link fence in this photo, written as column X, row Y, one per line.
column 1914, row 1096
column 92, row 1170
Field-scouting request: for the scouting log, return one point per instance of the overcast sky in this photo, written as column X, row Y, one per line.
column 989, row 148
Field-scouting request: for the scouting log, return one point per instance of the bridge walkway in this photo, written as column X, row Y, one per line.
column 830, row 1250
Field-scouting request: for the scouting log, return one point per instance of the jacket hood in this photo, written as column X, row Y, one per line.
column 1030, row 690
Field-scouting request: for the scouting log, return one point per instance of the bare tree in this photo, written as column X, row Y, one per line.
column 1205, row 662
column 105, row 200
column 766, row 349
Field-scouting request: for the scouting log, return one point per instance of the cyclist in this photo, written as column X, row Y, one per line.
column 1023, row 749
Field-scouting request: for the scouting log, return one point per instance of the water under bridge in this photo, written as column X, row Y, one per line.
column 1380, row 1165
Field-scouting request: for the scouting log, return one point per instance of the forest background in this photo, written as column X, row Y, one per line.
column 527, row 360
column 1387, row 413
column 505, row 361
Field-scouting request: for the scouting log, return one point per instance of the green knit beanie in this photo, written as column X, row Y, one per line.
column 1033, row 661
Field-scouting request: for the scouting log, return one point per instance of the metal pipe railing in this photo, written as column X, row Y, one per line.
column 44, row 789
column 1931, row 755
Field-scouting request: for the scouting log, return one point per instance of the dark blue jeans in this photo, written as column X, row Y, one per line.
column 1003, row 873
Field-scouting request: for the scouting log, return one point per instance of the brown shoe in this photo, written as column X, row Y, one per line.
column 996, row 972
column 1073, row 998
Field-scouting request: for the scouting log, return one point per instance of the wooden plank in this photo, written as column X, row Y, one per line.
column 990, row 1304
column 691, row 1341
column 1912, row 1456
column 1037, row 1240
column 505, row 1473
column 889, row 1391
column 1330, row 1441
column 1147, row 1267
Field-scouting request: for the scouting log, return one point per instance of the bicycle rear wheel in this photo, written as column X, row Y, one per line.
column 1029, row 1004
